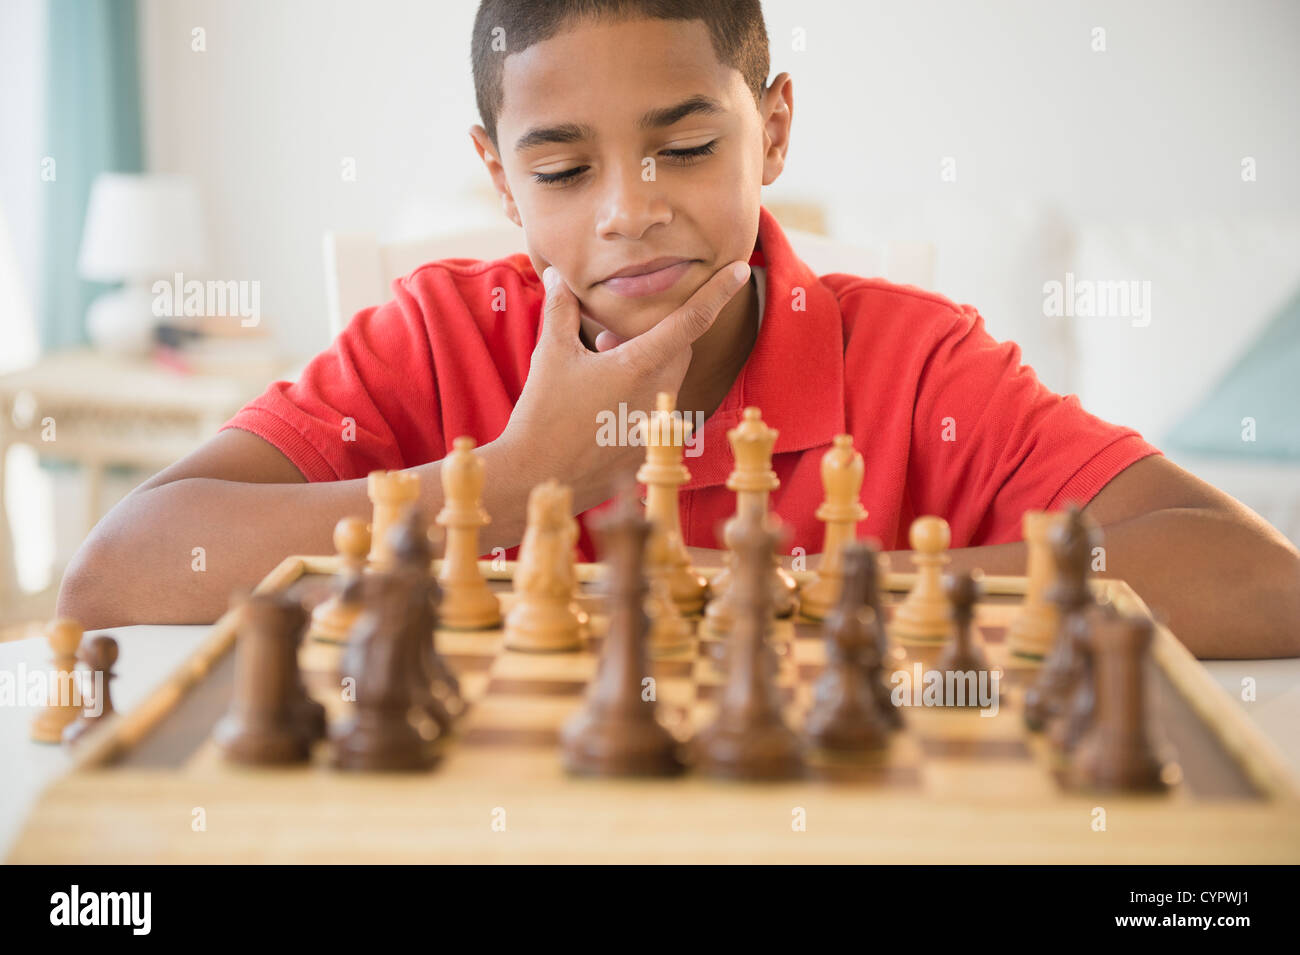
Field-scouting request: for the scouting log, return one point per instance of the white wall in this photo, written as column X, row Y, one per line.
column 22, row 108
column 884, row 90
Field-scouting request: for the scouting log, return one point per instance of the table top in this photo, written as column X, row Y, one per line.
column 150, row 653
column 85, row 375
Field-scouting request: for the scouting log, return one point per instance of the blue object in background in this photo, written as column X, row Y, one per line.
column 92, row 125
column 1264, row 385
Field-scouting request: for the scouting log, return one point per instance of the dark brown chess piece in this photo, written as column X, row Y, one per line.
column 271, row 720
column 749, row 738
column 878, row 662
column 1075, row 716
column 846, row 713
column 1118, row 753
column 1072, row 541
column 963, row 655
column 391, row 724
column 99, row 655
column 413, row 556
column 873, row 589
column 616, row 732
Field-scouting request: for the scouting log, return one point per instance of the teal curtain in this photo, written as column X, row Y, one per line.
column 92, row 126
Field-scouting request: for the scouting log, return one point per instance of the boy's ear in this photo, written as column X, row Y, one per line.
column 778, row 111
column 487, row 152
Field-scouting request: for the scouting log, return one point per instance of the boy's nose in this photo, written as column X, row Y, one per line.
column 633, row 204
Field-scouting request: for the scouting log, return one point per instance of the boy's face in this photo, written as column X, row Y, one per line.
column 627, row 193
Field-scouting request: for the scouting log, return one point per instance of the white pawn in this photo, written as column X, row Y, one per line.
column 332, row 618
column 65, row 704
column 924, row 616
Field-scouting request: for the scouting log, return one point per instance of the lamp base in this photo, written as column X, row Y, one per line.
column 121, row 322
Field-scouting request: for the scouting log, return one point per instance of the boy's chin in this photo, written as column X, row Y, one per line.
column 625, row 326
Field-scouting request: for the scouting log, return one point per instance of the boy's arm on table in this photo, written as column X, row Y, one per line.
column 241, row 500
column 1226, row 582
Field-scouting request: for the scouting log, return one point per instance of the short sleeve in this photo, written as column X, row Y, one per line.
column 369, row 401
column 990, row 441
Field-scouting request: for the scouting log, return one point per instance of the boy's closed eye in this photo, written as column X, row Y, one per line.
column 681, row 156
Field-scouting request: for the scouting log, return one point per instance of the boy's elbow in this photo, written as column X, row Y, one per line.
column 85, row 594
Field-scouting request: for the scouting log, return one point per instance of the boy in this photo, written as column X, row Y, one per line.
column 631, row 148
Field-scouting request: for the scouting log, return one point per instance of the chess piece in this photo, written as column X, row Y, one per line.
column 1079, row 693
column 1072, row 539
column 271, row 719
column 662, row 474
column 846, row 713
column 963, row 655
column 753, row 480
column 841, row 511
column 749, row 738
column 872, row 572
column 391, row 493
column 467, row 601
column 670, row 632
column 336, row 615
column 869, row 568
column 924, row 616
column 394, row 721
column 99, row 656
column 616, row 732
column 64, row 703
column 1035, row 625
column 309, row 713
column 545, row 616
column 436, row 689
column 1117, row 752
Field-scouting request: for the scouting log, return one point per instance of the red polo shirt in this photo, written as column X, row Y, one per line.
column 947, row 419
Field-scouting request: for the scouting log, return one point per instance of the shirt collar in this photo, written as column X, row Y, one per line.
column 795, row 373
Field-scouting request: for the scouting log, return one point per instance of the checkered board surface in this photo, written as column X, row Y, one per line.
column 520, row 701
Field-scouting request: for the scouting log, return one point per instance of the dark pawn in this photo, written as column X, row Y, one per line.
column 1117, row 753
column 100, row 655
column 616, row 732
column 269, row 721
column 1072, row 543
column 846, row 713
column 963, row 654
column 749, row 739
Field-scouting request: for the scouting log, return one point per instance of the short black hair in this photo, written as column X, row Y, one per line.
column 735, row 26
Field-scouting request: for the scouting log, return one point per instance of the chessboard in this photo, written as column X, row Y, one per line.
column 954, row 785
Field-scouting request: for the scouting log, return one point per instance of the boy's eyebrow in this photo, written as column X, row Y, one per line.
column 654, row 119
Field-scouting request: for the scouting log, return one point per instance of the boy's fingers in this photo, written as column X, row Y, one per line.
column 678, row 331
column 607, row 340
column 560, row 319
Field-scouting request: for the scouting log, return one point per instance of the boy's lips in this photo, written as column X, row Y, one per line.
column 654, row 277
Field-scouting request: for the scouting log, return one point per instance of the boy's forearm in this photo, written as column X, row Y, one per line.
column 1227, row 590
column 140, row 564
column 143, row 562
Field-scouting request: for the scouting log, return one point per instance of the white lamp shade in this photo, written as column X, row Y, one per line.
column 141, row 227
